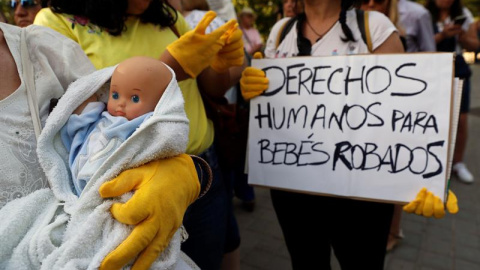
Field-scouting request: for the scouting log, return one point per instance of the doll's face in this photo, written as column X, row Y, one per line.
column 136, row 87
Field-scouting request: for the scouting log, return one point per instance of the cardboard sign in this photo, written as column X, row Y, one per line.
column 373, row 127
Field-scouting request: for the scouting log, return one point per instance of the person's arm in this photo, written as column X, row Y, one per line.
column 236, row 72
column 391, row 45
column 168, row 59
column 449, row 30
column 469, row 39
column 226, row 68
column 383, row 34
column 216, row 84
column 10, row 77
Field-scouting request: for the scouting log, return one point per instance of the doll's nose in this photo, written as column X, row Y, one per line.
column 121, row 103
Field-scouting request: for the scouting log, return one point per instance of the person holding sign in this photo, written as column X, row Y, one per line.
column 356, row 230
column 390, row 9
column 454, row 31
column 110, row 32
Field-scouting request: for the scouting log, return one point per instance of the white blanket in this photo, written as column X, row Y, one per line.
column 53, row 228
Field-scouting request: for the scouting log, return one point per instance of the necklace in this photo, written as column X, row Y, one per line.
column 316, row 33
column 311, row 28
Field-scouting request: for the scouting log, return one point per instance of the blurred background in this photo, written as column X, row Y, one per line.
column 267, row 13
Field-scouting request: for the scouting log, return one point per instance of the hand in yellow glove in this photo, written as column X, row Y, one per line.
column 253, row 82
column 232, row 54
column 427, row 204
column 195, row 50
column 163, row 191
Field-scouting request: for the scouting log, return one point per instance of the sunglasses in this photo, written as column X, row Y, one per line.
column 23, row 3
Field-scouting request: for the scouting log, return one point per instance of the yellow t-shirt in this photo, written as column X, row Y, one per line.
column 140, row 39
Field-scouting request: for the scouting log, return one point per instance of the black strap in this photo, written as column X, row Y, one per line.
column 360, row 21
column 361, row 24
column 286, row 29
column 174, row 30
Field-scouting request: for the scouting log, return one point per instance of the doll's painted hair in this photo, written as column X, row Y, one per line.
column 346, row 5
column 111, row 14
column 455, row 10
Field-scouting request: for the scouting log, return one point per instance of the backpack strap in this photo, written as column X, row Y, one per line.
column 364, row 27
column 174, row 30
column 29, row 79
column 287, row 26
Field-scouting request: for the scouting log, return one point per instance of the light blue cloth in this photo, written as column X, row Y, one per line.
column 92, row 137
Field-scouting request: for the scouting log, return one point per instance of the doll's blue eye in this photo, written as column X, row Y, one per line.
column 135, row 99
column 115, row 95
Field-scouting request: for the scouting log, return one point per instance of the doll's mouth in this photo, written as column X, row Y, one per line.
column 119, row 113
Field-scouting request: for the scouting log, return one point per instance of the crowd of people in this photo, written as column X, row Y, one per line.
column 58, row 42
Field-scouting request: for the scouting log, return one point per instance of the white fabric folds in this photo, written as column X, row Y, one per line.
column 53, row 228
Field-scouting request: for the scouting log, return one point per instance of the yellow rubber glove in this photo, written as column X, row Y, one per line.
column 428, row 205
column 195, row 50
column 452, row 202
column 163, row 191
column 253, row 82
column 232, row 54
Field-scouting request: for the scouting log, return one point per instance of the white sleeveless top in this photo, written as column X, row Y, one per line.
column 331, row 44
column 20, row 171
column 57, row 62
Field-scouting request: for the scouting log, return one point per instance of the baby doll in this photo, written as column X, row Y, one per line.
column 61, row 227
column 92, row 134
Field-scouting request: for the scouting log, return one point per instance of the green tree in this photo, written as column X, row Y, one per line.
column 473, row 6
column 266, row 12
column 5, row 10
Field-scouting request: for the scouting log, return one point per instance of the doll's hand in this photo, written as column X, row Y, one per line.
column 427, row 204
column 195, row 50
column 232, row 54
column 82, row 106
column 253, row 81
column 163, row 191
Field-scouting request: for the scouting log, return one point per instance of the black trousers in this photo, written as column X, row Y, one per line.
column 312, row 225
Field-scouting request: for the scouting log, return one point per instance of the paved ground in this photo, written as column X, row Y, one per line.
column 449, row 243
